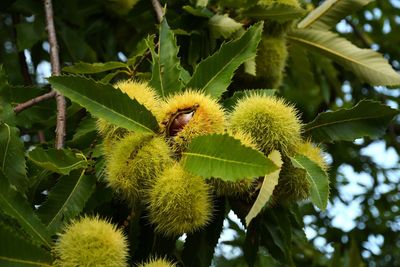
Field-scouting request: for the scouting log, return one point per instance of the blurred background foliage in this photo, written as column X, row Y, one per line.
column 362, row 223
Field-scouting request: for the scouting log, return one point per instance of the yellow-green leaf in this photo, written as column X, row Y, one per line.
column 330, row 12
column 367, row 64
column 267, row 188
column 222, row 156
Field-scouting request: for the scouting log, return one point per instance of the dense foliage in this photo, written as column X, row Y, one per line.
column 219, row 107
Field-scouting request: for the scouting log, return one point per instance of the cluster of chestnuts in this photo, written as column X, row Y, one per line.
column 145, row 169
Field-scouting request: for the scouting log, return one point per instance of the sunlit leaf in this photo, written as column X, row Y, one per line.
column 223, row 26
column 166, row 71
column 330, row 12
column 367, row 64
column 105, row 102
column 269, row 183
column 222, row 156
column 214, row 74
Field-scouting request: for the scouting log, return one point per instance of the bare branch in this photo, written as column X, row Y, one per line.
column 34, row 101
column 56, row 70
column 158, row 9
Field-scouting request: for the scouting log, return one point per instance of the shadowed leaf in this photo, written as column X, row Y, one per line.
column 66, row 200
column 61, row 161
column 17, row 251
column 13, row 204
column 367, row 118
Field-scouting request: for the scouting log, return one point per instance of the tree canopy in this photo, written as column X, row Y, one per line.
column 331, row 69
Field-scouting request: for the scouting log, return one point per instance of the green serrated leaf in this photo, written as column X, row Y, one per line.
column 103, row 101
column 61, row 161
column 17, row 251
column 330, row 12
column 367, row 64
column 276, row 11
column 214, row 74
column 12, row 157
column 166, row 72
column 223, row 26
column 317, row 178
column 222, row 156
column 13, row 204
column 90, row 68
column 66, row 200
column 230, row 102
column 269, row 183
column 367, row 118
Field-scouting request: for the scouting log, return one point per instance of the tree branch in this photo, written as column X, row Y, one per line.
column 34, row 101
column 56, row 70
column 158, row 9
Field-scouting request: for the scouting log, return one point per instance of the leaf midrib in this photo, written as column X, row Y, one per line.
column 49, row 225
column 223, row 160
column 342, row 56
column 340, row 121
column 57, row 167
column 8, row 143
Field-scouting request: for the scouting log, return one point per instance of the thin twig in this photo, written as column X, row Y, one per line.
column 56, row 70
column 158, row 9
column 34, row 101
